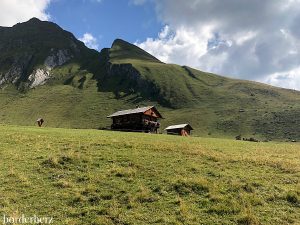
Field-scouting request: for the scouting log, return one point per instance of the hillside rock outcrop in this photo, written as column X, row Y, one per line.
column 30, row 51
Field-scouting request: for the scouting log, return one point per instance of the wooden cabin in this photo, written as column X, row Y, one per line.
column 181, row 129
column 141, row 119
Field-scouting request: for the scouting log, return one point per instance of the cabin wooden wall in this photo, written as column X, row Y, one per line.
column 152, row 113
column 150, row 118
column 134, row 122
column 128, row 119
column 178, row 131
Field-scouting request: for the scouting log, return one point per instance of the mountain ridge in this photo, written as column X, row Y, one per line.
column 83, row 86
column 121, row 49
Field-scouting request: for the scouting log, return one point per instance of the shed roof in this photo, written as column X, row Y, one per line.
column 133, row 111
column 179, row 126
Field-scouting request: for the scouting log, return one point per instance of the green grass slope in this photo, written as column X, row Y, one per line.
column 82, row 92
column 98, row 177
column 213, row 104
column 121, row 51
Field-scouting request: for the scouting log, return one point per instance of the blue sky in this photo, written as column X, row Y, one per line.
column 106, row 20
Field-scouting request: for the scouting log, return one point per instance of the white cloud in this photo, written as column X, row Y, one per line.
column 289, row 79
column 256, row 40
column 172, row 46
column 15, row 11
column 90, row 41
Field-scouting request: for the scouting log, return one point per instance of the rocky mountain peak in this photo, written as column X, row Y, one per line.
column 30, row 50
column 121, row 50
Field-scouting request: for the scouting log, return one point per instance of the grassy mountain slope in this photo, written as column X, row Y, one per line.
column 92, row 85
column 102, row 177
column 35, row 44
column 122, row 52
column 212, row 103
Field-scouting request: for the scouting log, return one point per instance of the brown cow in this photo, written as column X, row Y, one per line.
column 40, row 121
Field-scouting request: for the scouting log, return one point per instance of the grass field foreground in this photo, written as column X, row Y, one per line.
column 102, row 177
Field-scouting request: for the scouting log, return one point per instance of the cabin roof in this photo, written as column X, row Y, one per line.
column 179, row 126
column 133, row 111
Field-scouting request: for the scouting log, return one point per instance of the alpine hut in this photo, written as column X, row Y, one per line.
column 142, row 119
column 180, row 129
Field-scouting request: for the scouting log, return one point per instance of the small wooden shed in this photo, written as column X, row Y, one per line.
column 180, row 129
column 142, row 119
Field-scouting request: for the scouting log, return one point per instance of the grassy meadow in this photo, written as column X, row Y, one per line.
column 103, row 177
column 82, row 92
